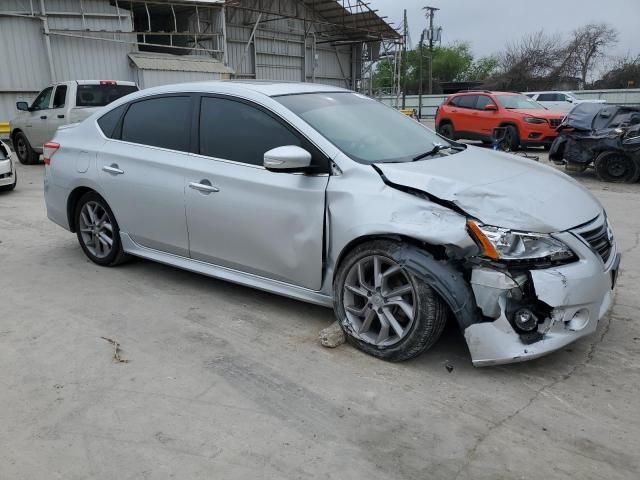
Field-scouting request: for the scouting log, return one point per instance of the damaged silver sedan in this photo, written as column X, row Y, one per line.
column 328, row 196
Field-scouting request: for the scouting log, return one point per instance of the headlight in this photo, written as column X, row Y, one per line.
column 504, row 244
column 534, row 120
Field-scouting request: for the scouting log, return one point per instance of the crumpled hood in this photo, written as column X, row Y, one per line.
column 500, row 189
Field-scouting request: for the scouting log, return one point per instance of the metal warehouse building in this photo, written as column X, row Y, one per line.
column 155, row 42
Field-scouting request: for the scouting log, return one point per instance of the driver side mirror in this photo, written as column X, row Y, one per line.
column 289, row 158
column 490, row 107
column 22, row 106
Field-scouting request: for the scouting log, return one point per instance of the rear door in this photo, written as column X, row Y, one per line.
column 142, row 170
column 485, row 120
column 464, row 118
column 248, row 218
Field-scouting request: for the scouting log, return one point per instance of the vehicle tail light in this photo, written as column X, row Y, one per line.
column 48, row 150
column 108, row 82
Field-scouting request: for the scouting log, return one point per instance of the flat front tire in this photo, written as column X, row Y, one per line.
column 98, row 231
column 385, row 310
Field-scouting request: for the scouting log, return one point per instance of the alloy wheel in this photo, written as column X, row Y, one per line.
column 96, row 229
column 379, row 301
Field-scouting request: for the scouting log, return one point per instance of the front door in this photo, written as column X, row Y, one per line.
column 36, row 125
column 142, row 172
column 245, row 217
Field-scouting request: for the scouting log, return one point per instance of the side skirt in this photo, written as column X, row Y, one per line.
column 228, row 274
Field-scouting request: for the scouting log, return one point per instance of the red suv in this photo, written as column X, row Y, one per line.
column 474, row 115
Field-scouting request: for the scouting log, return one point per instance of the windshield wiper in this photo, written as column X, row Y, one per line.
column 436, row 148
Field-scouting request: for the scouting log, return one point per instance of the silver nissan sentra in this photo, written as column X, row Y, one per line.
column 327, row 196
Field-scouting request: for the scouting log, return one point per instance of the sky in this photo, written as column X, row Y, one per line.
column 488, row 25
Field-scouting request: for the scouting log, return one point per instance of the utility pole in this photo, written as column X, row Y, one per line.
column 403, row 65
column 431, row 11
column 420, row 75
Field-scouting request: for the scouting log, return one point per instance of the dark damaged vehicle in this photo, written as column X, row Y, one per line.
column 330, row 197
column 605, row 137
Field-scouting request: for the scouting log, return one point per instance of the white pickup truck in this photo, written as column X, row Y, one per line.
column 60, row 104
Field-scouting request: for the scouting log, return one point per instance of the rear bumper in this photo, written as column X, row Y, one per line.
column 579, row 295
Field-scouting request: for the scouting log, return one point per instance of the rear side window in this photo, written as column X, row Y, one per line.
column 109, row 121
column 60, row 97
column 466, row 101
column 101, row 95
column 547, row 97
column 159, row 122
column 236, row 131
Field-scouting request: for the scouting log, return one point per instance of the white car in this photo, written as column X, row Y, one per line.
column 8, row 176
column 559, row 101
column 60, row 104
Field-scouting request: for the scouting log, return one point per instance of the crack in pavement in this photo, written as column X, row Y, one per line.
column 471, row 456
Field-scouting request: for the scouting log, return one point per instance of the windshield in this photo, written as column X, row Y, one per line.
column 518, row 101
column 363, row 128
column 101, row 95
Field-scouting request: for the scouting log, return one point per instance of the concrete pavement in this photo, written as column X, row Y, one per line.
column 227, row 382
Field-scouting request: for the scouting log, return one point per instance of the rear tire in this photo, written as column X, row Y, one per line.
column 24, row 151
column 617, row 167
column 98, row 232
column 396, row 317
column 446, row 130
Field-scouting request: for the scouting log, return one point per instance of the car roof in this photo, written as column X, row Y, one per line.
column 268, row 88
column 486, row 92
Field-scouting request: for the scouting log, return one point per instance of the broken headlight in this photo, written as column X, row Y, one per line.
column 504, row 244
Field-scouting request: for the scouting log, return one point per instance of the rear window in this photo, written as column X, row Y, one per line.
column 101, row 95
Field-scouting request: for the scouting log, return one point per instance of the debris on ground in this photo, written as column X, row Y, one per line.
column 116, row 350
column 449, row 367
column 332, row 336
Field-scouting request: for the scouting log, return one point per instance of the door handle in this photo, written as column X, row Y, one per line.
column 60, row 116
column 43, row 117
column 204, row 186
column 113, row 168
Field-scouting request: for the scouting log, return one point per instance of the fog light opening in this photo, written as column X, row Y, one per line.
column 579, row 320
column 525, row 320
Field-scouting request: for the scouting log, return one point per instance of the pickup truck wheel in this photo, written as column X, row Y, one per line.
column 385, row 310
column 25, row 153
column 617, row 167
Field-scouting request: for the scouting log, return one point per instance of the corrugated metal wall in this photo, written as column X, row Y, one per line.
column 153, row 78
column 281, row 51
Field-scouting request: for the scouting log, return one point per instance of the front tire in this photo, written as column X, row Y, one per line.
column 24, row 151
column 385, row 310
column 616, row 167
column 97, row 231
column 511, row 138
column 446, row 130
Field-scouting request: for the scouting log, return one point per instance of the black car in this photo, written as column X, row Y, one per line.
column 607, row 136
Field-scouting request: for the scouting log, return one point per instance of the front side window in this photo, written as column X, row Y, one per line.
column 483, row 101
column 159, row 122
column 42, row 101
column 519, row 101
column 362, row 128
column 59, row 99
column 546, row 97
column 233, row 130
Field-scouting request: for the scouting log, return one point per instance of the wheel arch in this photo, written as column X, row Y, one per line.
column 431, row 263
column 72, row 202
column 444, row 121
